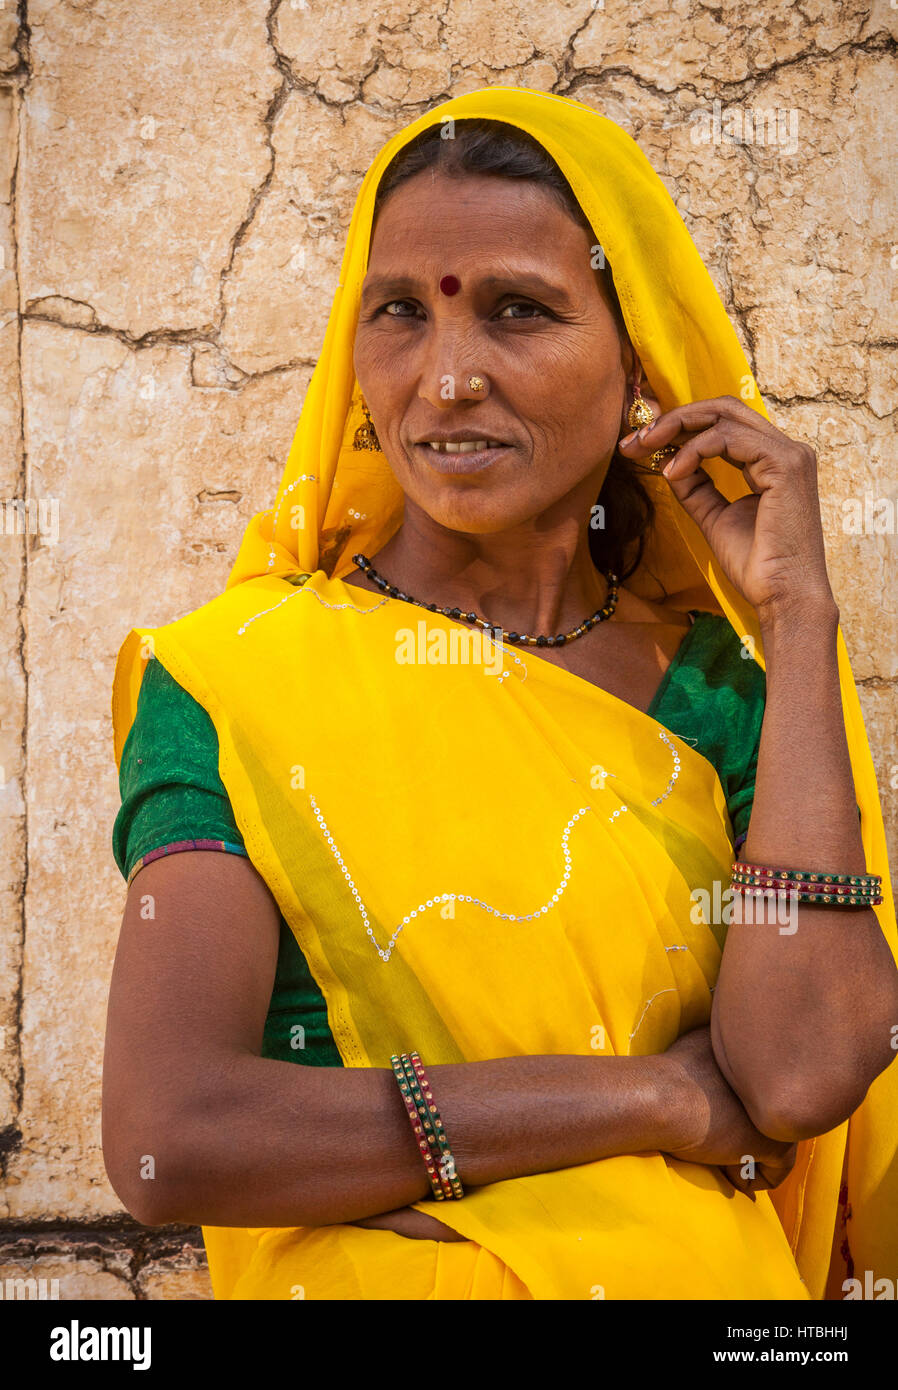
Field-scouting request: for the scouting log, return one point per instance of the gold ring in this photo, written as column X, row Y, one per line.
column 660, row 456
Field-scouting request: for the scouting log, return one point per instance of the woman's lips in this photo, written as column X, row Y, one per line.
column 472, row 461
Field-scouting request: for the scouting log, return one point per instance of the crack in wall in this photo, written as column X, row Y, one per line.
column 739, row 87
column 121, row 1246
column 257, row 195
column 566, row 62
column 218, row 495
column 828, row 397
column 12, row 1134
column 160, row 337
column 168, row 337
column 567, row 84
column 22, row 46
column 356, row 81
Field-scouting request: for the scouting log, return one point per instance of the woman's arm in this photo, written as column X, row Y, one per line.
column 197, row 1127
column 802, row 1020
column 805, row 1008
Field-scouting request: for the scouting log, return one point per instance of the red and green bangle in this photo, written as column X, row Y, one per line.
column 427, row 1119
column 418, row 1128
column 421, row 1087
column 427, row 1126
column 839, row 890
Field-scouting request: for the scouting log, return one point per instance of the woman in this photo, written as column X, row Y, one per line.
column 511, row 856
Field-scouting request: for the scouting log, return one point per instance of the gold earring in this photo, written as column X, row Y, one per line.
column 366, row 436
column 639, row 414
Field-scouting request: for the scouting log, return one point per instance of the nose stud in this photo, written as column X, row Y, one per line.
column 450, row 284
column 475, row 383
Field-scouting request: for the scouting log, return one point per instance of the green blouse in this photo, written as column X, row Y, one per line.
column 711, row 696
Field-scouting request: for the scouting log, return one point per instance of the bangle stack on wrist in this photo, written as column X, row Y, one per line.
column 809, row 886
column 417, row 1096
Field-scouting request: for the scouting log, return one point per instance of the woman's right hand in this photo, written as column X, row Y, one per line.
column 716, row 1129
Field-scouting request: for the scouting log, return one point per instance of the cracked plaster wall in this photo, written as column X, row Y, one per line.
column 177, row 178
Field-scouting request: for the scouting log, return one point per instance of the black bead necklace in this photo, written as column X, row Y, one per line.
column 520, row 638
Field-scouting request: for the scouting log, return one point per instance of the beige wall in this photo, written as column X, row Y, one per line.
column 177, row 179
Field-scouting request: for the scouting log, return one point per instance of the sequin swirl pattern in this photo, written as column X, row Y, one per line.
column 303, row 478
column 273, row 609
column 386, row 598
column 442, row 898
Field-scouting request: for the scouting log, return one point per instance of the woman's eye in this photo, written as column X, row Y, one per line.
column 389, row 306
column 394, row 306
column 523, row 304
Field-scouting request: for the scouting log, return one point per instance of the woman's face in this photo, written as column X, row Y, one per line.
column 531, row 317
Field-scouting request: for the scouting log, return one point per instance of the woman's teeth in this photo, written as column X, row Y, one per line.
column 467, row 446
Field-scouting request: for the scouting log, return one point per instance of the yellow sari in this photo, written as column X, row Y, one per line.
column 480, row 864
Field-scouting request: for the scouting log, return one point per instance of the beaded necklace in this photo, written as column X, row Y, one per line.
column 520, row 638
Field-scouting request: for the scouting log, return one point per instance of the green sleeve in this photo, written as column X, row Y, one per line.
column 168, row 777
column 713, row 696
column 171, row 790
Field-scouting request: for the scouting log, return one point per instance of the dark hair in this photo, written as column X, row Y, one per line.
column 481, row 146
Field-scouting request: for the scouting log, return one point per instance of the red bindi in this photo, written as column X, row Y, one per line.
column 450, row 284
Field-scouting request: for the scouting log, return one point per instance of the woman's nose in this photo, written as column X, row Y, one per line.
column 454, row 371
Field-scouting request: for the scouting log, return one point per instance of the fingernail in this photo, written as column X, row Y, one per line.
column 644, row 431
column 628, row 439
column 667, row 467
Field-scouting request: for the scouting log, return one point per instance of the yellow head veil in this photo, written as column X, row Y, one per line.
column 334, row 501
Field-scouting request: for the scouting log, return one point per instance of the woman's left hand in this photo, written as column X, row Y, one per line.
column 770, row 544
column 414, row 1225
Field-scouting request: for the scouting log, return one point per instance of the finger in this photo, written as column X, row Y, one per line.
column 733, row 443
column 780, row 1163
column 736, row 445
column 733, row 1174
column 774, row 1176
column 700, row 415
column 762, row 457
column 704, row 503
column 698, row 495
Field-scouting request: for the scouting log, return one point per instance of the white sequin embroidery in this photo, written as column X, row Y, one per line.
column 304, row 590
column 646, row 1009
column 386, row 952
column 419, row 911
column 303, row 478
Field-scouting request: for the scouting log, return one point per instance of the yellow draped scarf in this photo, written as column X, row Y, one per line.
column 404, row 813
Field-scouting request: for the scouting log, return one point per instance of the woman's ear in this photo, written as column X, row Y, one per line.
column 636, row 378
column 647, row 394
